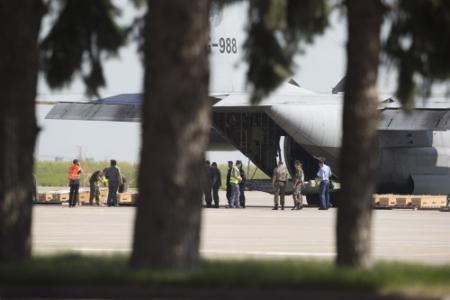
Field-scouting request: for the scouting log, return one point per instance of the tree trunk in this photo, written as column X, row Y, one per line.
column 359, row 153
column 18, row 128
column 175, row 127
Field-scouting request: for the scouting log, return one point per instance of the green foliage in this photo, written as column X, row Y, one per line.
column 54, row 173
column 75, row 270
column 276, row 31
column 418, row 44
column 84, row 33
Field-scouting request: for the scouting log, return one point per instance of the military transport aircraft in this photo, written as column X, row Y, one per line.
column 413, row 150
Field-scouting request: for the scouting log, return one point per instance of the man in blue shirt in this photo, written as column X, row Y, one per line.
column 324, row 176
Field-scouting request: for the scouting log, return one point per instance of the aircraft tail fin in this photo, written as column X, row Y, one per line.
column 339, row 88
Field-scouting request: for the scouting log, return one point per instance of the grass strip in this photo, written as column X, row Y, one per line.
column 82, row 270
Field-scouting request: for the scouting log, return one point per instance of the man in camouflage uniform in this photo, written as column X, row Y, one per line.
column 298, row 180
column 279, row 181
column 94, row 184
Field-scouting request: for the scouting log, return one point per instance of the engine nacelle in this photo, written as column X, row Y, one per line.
column 420, row 170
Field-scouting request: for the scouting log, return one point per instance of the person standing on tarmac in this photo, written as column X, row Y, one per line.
column 279, row 181
column 241, row 184
column 35, row 193
column 298, row 180
column 216, row 183
column 94, row 185
column 235, row 178
column 74, row 182
column 207, row 188
column 230, row 167
column 114, row 180
column 324, row 176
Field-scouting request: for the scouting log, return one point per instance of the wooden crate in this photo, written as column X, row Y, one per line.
column 103, row 194
column 403, row 200
column 376, row 199
column 45, row 197
column 83, row 197
column 125, row 198
column 387, row 200
column 61, row 196
column 429, row 201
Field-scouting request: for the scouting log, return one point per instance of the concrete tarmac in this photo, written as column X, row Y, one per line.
column 257, row 231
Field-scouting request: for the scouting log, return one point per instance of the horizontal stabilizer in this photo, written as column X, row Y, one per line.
column 418, row 119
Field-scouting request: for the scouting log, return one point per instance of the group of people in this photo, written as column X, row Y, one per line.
column 235, row 183
column 280, row 180
column 110, row 176
column 236, row 178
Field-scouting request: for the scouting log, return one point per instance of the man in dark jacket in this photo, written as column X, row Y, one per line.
column 230, row 167
column 207, row 188
column 241, row 184
column 114, row 180
column 216, row 183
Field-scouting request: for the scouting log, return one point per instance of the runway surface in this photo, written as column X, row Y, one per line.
column 257, row 231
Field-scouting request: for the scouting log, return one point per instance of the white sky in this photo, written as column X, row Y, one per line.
column 320, row 68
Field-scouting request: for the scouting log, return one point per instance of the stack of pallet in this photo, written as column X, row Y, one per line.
column 409, row 201
column 46, row 197
column 429, row 201
column 59, row 197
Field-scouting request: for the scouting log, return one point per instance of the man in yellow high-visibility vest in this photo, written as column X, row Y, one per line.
column 235, row 178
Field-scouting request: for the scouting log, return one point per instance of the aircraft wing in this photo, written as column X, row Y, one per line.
column 126, row 108
column 118, row 108
column 95, row 112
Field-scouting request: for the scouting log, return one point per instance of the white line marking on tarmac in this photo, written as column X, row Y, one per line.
column 205, row 251
column 268, row 253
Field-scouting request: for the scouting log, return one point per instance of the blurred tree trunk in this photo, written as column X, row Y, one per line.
column 175, row 127
column 18, row 128
column 358, row 153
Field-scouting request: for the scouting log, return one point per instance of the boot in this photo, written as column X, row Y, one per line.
column 282, row 207
column 295, row 207
column 275, row 207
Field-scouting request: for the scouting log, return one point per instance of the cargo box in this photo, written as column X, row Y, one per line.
column 103, row 195
column 83, row 197
column 61, row 196
column 387, row 200
column 429, row 201
column 403, row 200
column 45, row 197
column 125, row 198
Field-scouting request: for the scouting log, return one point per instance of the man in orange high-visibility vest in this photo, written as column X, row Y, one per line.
column 74, row 182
